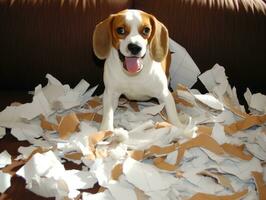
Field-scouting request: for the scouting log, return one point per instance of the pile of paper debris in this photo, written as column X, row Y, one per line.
column 145, row 157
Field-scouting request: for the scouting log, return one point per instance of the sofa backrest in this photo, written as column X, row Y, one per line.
column 39, row 37
column 230, row 33
column 55, row 36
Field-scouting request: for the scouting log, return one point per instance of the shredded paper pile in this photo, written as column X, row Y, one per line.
column 219, row 155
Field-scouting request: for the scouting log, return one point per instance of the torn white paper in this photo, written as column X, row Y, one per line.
column 45, row 164
column 5, row 181
column 142, row 140
column 53, row 90
column 120, row 191
column 218, row 134
column 153, row 110
column 143, row 176
column 241, row 169
column 39, row 105
column 2, row 132
column 102, row 170
column 5, row 159
column 210, row 101
column 215, row 80
column 12, row 115
column 76, row 179
column 106, row 195
column 257, row 151
column 73, row 97
column 25, row 152
column 27, row 132
column 183, row 69
column 206, row 184
column 256, row 101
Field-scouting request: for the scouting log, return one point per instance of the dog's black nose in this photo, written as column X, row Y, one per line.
column 133, row 48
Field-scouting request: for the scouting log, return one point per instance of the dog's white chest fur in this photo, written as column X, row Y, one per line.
column 150, row 82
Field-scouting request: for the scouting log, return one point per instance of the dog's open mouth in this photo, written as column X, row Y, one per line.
column 132, row 65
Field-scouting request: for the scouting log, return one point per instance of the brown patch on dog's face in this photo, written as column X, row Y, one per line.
column 145, row 28
column 120, row 29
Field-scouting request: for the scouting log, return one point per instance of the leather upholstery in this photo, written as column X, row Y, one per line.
column 44, row 36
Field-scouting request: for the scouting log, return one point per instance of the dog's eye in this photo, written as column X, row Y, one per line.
column 146, row 31
column 120, row 30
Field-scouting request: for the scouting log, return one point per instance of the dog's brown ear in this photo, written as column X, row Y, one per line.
column 102, row 40
column 159, row 46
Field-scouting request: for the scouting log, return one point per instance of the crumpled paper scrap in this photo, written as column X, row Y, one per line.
column 46, row 176
column 5, row 181
column 149, row 179
column 5, row 159
column 2, row 132
column 256, row 102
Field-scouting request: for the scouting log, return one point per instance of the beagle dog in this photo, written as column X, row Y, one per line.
column 135, row 46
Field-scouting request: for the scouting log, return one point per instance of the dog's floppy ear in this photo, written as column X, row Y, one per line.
column 159, row 46
column 102, row 39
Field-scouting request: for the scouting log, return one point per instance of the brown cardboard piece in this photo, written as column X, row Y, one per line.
column 202, row 140
column 235, row 196
column 101, row 153
column 162, row 125
column 179, row 174
column 161, row 164
column 94, row 102
column 68, row 125
column 261, row 186
column 140, row 194
column 234, row 109
column 160, row 150
column 16, row 103
column 246, row 123
column 101, row 189
column 74, row 156
column 237, row 151
column 163, row 115
column 181, row 101
column 221, row 179
column 182, row 87
column 89, row 117
column 99, row 136
column 134, row 105
column 46, row 125
column 117, row 171
column 136, row 154
column 204, row 130
column 37, row 150
column 12, row 168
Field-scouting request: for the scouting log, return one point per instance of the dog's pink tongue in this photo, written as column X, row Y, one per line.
column 132, row 64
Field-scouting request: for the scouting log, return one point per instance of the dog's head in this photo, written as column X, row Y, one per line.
column 134, row 34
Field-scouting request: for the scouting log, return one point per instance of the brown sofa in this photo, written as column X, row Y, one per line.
column 55, row 36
